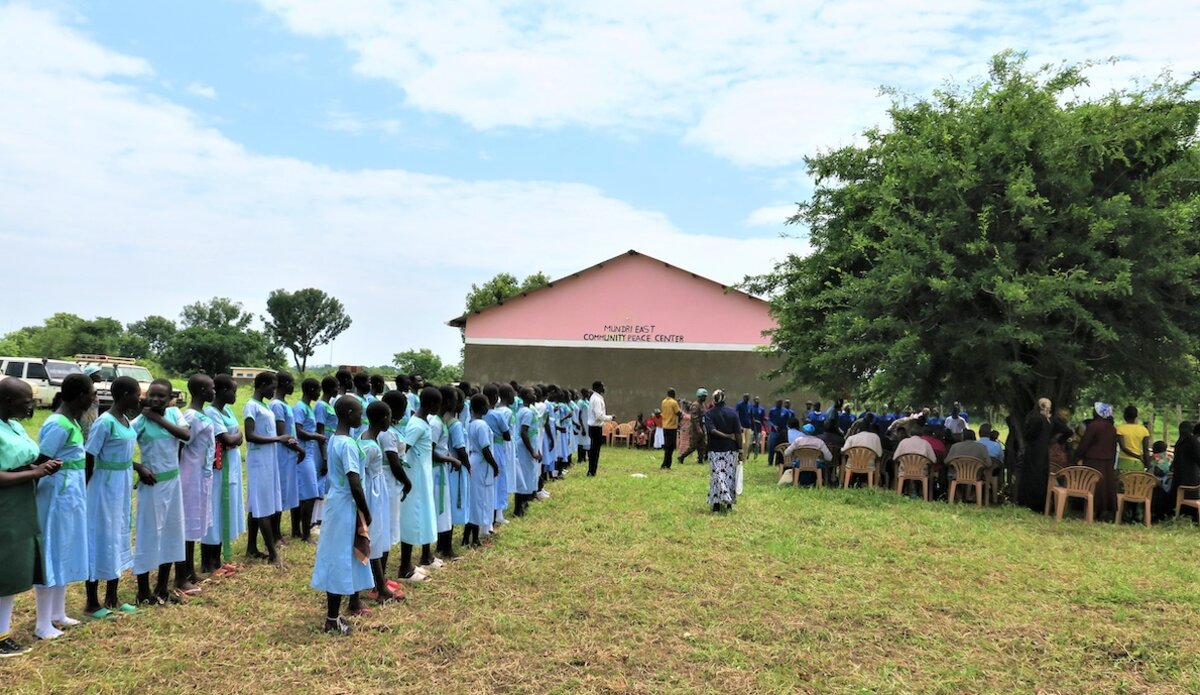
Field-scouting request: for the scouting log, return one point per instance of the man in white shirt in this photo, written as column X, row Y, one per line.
column 596, row 417
column 955, row 424
column 864, row 438
column 914, row 445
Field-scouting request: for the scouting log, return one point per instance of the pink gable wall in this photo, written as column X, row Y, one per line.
column 640, row 298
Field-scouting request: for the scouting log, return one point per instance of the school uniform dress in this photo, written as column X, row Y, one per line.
column 510, row 455
column 285, row 458
column 262, row 476
column 527, row 466
column 305, row 418
column 62, row 503
column 498, row 419
column 441, row 473
column 196, row 475
column 479, row 438
column 547, row 432
column 378, row 497
column 460, row 480
column 418, row 517
column 324, row 415
column 585, row 441
column 159, row 524
column 564, row 443
column 336, row 570
column 21, row 538
column 228, row 517
column 110, row 498
column 390, row 441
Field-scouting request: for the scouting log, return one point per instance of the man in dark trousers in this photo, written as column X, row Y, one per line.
column 670, row 425
column 596, row 417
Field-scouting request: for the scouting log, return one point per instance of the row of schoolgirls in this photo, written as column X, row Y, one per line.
column 406, row 466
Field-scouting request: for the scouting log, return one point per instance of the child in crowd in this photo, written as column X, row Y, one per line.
column 159, row 530
column 341, row 568
column 460, row 478
column 1160, row 459
column 484, row 471
column 263, row 499
column 305, row 420
column 326, row 425
column 228, row 509
column 445, row 465
column 378, row 494
column 498, row 419
column 288, row 455
column 398, row 483
column 195, row 478
column 529, row 455
column 62, row 507
column 109, row 448
column 418, row 523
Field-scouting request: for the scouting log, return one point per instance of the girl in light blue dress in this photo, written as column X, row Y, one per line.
column 195, row 478
column 484, row 471
column 445, row 467
column 342, row 564
column 110, row 444
column 287, row 456
column 393, row 473
column 460, row 479
column 326, row 426
column 499, row 419
column 305, row 415
column 418, row 515
column 375, row 487
column 228, row 507
column 62, row 507
column 529, row 455
column 262, row 475
column 159, row 523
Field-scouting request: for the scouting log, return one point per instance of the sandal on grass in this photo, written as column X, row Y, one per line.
column 101, row 614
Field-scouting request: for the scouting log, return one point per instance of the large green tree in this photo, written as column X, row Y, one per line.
column 501, row 287
column 304, row 320
column 217, row 312
column 216, row 335
column 1000, row 242
column 156, row 331
column 428, row 365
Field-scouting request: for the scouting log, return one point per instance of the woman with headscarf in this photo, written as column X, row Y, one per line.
column 21, row 466
column 724, row 432
column 1098, row 450
column 1035, row 466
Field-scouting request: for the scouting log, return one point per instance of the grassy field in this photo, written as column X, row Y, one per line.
column 628, row 584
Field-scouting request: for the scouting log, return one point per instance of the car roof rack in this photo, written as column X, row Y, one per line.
column 85, row 357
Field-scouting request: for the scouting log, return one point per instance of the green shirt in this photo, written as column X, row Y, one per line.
column 17, row 449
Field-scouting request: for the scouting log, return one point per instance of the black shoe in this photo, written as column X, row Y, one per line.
column 9, row 648
column 337, row 626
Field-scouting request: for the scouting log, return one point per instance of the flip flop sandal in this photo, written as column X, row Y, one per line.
column 360, row 611
column 127, row 609
column 188, row 592
column 152, row 601
column 102, row 614
column 392, row 584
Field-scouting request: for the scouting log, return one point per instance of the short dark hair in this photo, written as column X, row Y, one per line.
column 1130, row 413
column 263, row 378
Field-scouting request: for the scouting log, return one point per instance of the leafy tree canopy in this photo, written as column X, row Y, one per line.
column 428, row 365
column 303, row 320
column 217, row 312
column 501, row 287
column 156, row 331
column 1000, row 242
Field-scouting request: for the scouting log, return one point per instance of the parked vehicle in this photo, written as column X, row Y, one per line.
column 44, row 376
column 113, row 367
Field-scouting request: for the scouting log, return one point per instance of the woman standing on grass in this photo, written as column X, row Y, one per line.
column 21, row 466
column 724, row 432
column 1098, row 450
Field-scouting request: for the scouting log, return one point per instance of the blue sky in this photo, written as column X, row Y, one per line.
column 156, row 153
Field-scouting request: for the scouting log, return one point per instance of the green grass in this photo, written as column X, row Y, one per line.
column 628, row 584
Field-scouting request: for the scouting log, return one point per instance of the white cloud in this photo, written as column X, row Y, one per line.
column 760, row 82
column 123, row 204
column 346, row 122
column 202, row 90
column 770, row 216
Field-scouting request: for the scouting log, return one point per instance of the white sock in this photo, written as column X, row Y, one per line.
column 44, row 599
column 6, row 604
column 60, row 607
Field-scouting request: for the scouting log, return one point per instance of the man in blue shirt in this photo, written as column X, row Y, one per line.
column 743, row 413
column 757, row 414
column 817, row 418
column 846, row 418
column 778, row 417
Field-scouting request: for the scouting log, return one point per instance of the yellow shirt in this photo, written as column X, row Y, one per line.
column 670, row 413
column 1131, row 435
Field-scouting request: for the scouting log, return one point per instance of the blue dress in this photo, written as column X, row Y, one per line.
column 228, row 509
column 110, row 498
column 285, row 458
column 262, row 476
column 324, row 416
column 390, row 441
column 498, row 419
column 479, row 437
column 379, row 497
column 441, row 473
column 159, row 531
column 418, row 516
column 336, row 569
column 527, row 466
column 196, row 475
column 460, row 480
column 548, row 448
column 306, row 470
column 62, row 504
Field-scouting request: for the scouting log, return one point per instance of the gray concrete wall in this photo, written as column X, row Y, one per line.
column 635, row 379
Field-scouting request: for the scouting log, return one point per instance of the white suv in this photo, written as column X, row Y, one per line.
column 45, row 376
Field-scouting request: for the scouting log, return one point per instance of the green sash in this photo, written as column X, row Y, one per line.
column 166, row 475
column 113, row 465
